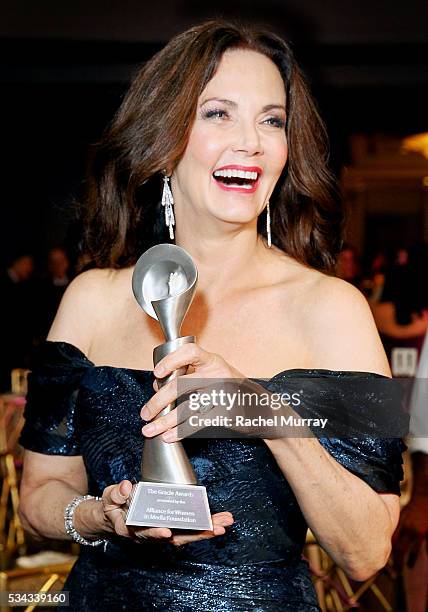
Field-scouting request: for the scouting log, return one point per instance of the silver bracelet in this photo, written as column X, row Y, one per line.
column 69, row 522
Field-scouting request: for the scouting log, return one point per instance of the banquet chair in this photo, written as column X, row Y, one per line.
column 45, row 579
column 49, row 575
column 11, row 421
column 335, row 591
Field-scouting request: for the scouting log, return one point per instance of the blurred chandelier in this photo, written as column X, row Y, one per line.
column 418, row 143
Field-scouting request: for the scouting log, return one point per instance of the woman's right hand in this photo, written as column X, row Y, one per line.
column 115, row 501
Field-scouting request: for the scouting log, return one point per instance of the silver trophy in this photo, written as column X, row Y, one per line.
column 164, row 283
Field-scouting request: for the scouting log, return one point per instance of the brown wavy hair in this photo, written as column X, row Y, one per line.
column 149, row 133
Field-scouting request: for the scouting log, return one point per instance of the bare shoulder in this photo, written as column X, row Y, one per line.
column 85, row 306
column 342, row 327
column 331, row 291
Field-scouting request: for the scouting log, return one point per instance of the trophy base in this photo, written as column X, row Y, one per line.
column 179, row 506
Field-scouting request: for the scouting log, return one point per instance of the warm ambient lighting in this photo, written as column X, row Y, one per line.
column 417, row 143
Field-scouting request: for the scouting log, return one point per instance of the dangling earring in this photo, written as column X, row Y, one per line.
column 167, row 203
column 269, row 237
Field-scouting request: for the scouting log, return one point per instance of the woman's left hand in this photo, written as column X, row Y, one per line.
column 204, row 365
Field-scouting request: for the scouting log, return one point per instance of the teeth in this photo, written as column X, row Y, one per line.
column 229, row 173
column 243, row 186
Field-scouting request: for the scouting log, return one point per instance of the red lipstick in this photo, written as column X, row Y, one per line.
column 236, row 188
column 244, row 168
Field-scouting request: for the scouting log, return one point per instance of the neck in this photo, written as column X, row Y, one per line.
column 225, row 261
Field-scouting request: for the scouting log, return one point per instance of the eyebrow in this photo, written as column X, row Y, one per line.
column 232, row 104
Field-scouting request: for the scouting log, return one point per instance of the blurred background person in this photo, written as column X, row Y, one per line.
column 21, row 269
column 401, row 315
column 17, row 320
column 349, row 266
column 58, row 267
column 374, row 279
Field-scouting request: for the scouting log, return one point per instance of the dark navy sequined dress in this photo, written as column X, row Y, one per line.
column 77, row 408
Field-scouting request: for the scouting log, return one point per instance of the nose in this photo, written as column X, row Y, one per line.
column 247, row 139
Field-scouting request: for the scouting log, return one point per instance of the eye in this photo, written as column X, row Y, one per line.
column 216, row 113
column 275, row 121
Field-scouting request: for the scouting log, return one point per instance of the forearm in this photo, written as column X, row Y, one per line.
column 42, row 512
column 348, row 518
column 401, row 332
column 385, row 318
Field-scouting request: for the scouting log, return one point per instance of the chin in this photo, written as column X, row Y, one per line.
column 240, row 210
column 236, row 216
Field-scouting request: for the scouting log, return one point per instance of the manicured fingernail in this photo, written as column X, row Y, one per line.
column 149, row 429
column 159, row 370
column 168, row 436
column 145, row 413
column 122, row 489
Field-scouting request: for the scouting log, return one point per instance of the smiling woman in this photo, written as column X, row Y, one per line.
column 222, row 115
column 180, row 96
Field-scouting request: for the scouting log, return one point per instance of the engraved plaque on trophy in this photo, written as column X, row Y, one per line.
column 164, row 283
